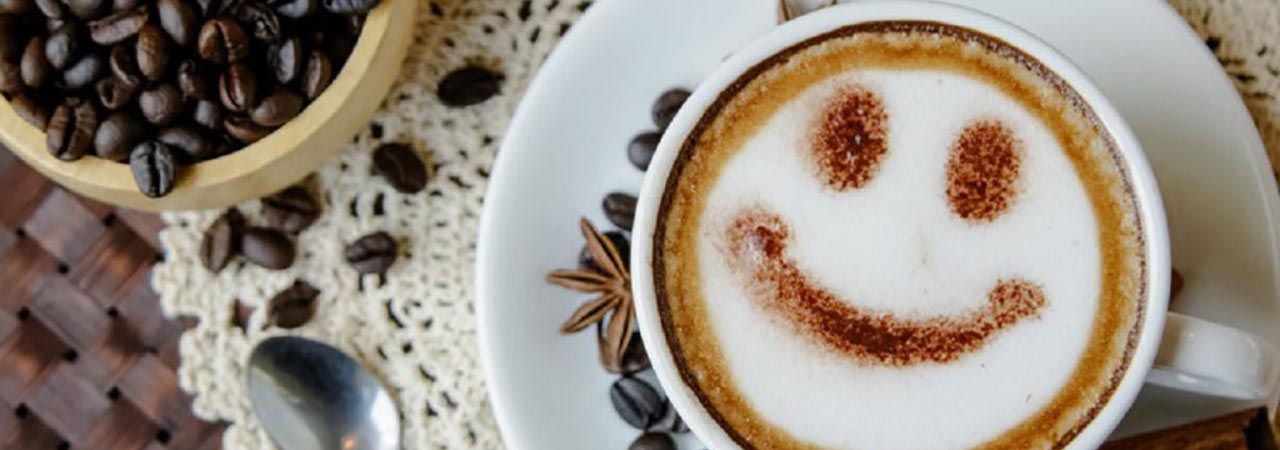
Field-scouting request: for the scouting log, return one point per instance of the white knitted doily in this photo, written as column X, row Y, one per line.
column 417, row 331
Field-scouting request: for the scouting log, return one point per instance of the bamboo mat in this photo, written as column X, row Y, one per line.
column 87, row 359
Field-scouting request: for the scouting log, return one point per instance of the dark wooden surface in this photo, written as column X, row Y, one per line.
column 87, row 360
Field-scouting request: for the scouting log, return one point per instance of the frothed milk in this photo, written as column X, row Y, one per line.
column 900, row 235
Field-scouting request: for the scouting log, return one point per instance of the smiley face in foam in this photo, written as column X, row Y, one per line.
column 847, row 144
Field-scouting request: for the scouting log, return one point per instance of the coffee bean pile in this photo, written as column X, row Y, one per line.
column 160, row 84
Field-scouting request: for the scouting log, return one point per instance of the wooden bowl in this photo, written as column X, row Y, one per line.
column 277, row 161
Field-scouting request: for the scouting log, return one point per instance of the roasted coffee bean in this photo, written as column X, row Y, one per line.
column 653, row 441
column 261, row 19
column 287, row 59
column 154, row 168
column 278, row 108
column 620, row 242
column 268, row 248
column 244, row 130
column 291, row 210
column 222, row 41
column 191, row 146
column 620, row 208
column 152, row 52
column 35, row 67
column 161, row 104
column 468, row 86
column 114, row 94
column 636, row 402
column 52, row 9
column 642, row 148
column 179, row 19
column 13, row 37
column 318, row 74
column 238, row 88
column 208, row 8
column 294, row 306
column 401, row 167
column 64, row 45
column 193, row 82
column 667, row 105
column 118, row 135
column 221, row 240
column 124, row 65
column 208, row 114
column 634, row 358
column 16, row 7
column 11, row 78
column 295, row 9
column 671, row 421
column 372, row 254
column 84, row 72
column 349, row 7
column 118, row 27
column 69, row 135
column 86, row 9
column 125, row 5
column 31, row 111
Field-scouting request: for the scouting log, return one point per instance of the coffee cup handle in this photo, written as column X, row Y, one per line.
column 1204, row 357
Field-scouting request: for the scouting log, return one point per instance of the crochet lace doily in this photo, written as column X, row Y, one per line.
column 416, row 331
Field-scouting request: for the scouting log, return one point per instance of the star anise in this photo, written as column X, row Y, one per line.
column 611, row 282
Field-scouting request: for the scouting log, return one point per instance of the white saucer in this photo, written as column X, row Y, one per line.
column 566, row 148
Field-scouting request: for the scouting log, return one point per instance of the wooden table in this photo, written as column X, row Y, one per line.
column 87, row 360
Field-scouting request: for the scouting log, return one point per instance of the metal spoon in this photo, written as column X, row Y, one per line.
column 311, row 396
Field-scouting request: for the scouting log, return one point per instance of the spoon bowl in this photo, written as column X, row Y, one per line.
column 311, row 396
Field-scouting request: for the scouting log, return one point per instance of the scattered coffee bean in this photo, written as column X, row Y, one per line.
column 51, row 9
column 296, row 9
column 261, row 19
column 63, row 46
column 154, row 168
column 244, row 130
column 667, row 106
column 11, row 78
column 634, row 358
column 69, row 135
column 124, row 5
column 31, row 111
column 84, row 72
column 114, row 94
column 35, row 67
column 178, row 18
column 318, row 74
column 620, row 242
column 161, row 105
column 278, row 108
column 671, row 421
column 152, row 52
column 268, row 248
column 86, row 9
column 118, row 135
column 653, row 441
column 190, row 144
column 636, row 402
column 294, row 306
column 222, row 41
column 208, row 114
column 349, row 6
column 291, row 210
column 192, row 81
column 124, row 66
column 238, row 88
column 221, row 241
column 118, row 27
column 642, row 148
column 401, row 167
column 620, row 208
column 468, row 86
column 372, row 254
column 287, row 60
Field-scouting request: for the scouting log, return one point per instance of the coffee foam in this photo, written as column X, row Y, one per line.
column 914, row 231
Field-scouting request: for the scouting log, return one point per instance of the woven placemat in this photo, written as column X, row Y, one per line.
column 88, row 359
column 416, row 327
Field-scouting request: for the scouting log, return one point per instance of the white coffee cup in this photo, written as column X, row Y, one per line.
column 1173, row 350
